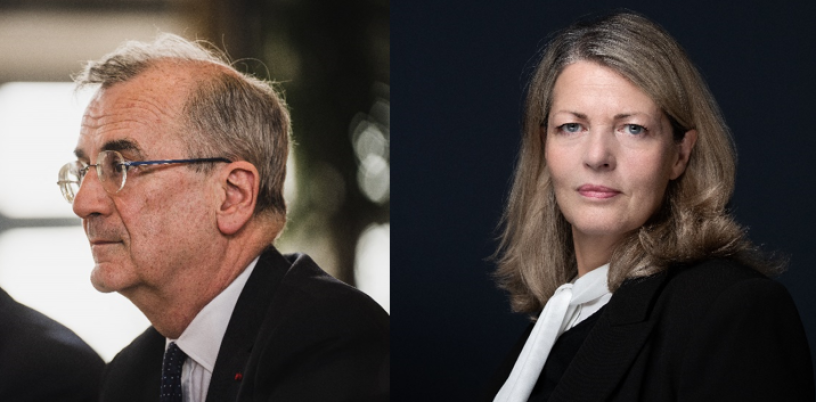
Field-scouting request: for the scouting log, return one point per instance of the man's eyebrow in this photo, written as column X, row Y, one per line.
column 124, row 145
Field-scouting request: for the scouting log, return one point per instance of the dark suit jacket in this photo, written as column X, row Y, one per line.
column 41, row 360
column 296, row 334
column 716, row 331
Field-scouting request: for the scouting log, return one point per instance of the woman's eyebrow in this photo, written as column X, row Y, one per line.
column 622, row 116
column 576, row 114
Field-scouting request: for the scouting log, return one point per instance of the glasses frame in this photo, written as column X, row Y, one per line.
column 70, row 195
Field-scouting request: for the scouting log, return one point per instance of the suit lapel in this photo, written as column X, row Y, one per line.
column 613, row 344
column 135, row 372
column 242, row 331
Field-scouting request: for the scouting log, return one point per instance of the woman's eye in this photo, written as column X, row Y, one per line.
column 571, row 127
column 634, row 129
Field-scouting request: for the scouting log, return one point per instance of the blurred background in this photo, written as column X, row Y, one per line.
column 459, row 73
column 331, row 60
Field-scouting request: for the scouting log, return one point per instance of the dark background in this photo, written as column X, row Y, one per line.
column 459, row 72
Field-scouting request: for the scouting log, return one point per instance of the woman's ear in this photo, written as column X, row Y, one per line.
column 684, row 148
column 239, row 184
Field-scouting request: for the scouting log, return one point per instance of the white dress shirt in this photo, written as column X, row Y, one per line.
column 201, row 340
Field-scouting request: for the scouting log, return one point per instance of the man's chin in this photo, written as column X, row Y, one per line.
column 102, row 281
column 101, row 288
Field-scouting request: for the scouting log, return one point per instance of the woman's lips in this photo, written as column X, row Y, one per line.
column 594, row 191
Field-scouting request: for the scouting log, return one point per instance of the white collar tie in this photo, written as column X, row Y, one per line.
column 561, row 312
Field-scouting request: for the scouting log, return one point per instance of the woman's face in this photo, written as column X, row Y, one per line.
column 610, row 152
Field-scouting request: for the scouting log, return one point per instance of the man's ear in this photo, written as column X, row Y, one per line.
column 239, row 187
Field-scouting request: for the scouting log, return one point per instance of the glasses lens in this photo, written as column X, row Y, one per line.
column 112, row 170
column 69, row 180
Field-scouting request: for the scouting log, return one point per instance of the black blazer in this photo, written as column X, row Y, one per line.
column 41, row 360
column 296, row 334
column 715, row 331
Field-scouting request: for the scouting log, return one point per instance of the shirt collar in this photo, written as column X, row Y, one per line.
column 201, row 340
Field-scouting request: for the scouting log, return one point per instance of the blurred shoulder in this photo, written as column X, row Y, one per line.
column 42, row 356
column 29, row 332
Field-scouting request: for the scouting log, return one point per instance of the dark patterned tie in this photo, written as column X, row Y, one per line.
column 171, row 374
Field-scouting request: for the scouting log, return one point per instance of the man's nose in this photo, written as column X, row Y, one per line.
column 91, row 197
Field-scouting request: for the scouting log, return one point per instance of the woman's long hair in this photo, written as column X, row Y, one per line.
column 536, row 252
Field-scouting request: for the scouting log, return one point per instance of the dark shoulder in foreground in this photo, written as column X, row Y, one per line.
column 42, row 360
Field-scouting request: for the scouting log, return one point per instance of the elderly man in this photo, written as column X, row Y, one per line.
column 178, row 181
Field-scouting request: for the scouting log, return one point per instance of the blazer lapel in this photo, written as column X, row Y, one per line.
column 613, row 344
column 135, row 373
column 244, row 324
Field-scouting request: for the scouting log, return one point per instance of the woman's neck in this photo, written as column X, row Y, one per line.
column 591, row 252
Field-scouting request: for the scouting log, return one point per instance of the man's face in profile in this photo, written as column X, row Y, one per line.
column 162, row 222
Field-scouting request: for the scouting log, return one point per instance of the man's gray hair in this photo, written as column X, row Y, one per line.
column 227, row 114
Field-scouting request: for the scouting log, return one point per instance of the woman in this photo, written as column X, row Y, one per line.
column 617, row 227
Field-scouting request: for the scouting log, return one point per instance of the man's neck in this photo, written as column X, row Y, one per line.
column 171, row 308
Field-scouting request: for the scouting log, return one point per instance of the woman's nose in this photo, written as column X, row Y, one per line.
column 599, row 152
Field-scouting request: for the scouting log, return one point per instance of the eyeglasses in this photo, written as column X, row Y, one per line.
column 112, row 169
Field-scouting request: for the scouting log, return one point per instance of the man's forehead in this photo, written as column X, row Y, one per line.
column 130, row 116
column 148, row 97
